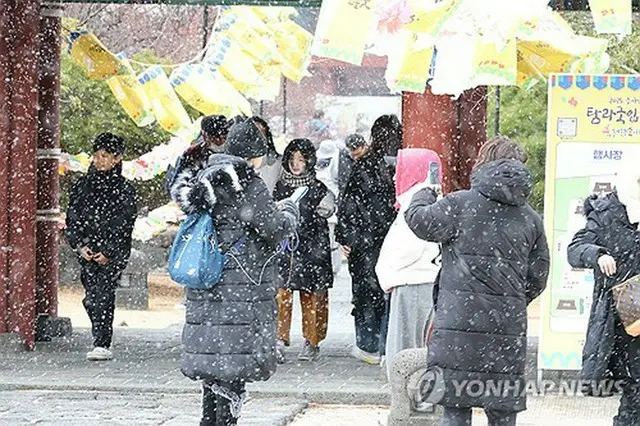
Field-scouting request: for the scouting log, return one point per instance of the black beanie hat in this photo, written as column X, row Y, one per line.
column 246, row 141
column 110, row 143
column 215, row 126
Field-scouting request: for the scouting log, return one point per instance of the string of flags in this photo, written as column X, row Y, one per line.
column 455, row 45
column 248, row 53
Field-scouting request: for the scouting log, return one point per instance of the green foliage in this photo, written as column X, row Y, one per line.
column 88, row 108
column 523, row 113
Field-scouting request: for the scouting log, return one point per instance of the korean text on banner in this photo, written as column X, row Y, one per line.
column 130, row 95
column 612, row 16
column 332, row 40
column 208, row 91
column 97, row 62
column 165, row 104
column 593, row 136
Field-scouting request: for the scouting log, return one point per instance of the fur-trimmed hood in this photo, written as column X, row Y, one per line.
column 199, row 190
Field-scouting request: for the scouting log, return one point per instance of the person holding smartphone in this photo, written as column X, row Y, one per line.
column 307, row 266
column 100, row 218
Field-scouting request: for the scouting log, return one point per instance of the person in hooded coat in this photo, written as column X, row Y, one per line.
column 610, row 245
column 308, row 268
column 272, row 167
column 495, row 261
column 365, row 214
column 213, row 134
column 407, row 266
column 229, row 336
column 100, row 218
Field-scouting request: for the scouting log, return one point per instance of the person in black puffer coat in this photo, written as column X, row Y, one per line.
column 495, row 261
column 365, row 214
column 100, row 218
column 610, row 245
column 308, row 269
column 229, row 337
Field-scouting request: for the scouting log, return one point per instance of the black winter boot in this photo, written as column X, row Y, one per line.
column 223, row 413
column 209, row 406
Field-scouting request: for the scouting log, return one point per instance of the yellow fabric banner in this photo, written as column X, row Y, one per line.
column 165, row 104
column 408, row 67
column 495, row 65
column 344, row 29
column 207, row 92
column 130, row 95
column 612, row 16
column 92, row 56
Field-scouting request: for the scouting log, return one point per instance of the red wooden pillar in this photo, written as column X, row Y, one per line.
column 5, row 137
column 48, row 154
column 19, row 26
column 455, row 129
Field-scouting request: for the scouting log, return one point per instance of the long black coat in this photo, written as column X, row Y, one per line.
column 495, row 261
column 230, row 330
column 101, row 214
column 309, row 267
column 366, row 211
column 608, row 353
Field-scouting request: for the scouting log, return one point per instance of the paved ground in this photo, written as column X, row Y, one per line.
column 56, row 386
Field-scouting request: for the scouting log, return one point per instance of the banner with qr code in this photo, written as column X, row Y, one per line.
column 593, row 144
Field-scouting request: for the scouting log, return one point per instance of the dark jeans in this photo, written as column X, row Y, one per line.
column 367, row 298
column 216, row 410
column 629, row 410
column 462, row 417
column 100, row 285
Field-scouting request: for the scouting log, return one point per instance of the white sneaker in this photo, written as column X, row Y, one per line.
column 100, row 354
column 369, row 358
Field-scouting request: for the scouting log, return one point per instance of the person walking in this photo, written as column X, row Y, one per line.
column 407, row 267
column 495, row 261
column 307, row 269
column 229, row 336
column 365, row 213
column 213, row 134
column 100, row 218
column 609, row 244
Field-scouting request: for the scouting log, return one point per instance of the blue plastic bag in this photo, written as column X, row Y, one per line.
column 196, row 260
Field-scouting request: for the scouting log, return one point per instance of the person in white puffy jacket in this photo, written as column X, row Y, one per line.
column 407, row 265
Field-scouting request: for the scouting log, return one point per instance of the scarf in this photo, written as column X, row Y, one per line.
column 305, row 179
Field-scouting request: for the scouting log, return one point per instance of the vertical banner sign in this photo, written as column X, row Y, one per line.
column 612, row 16
column 593, row 137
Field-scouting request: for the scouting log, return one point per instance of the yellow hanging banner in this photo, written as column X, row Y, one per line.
column 430, row 21
column 343, row 30
column 207, row 92
column 495, row 65
column 130, row 95
column 294, row 44
column 228, row 58
column 409, row 65
column 612, row 16
column 165, row 104
column 92, row 56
